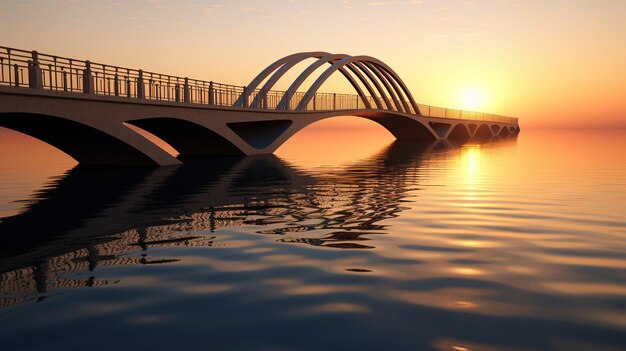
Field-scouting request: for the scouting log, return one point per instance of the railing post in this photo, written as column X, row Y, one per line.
column 16, row 73
column 211, row 93
column 264, row 96
column 141, row 89
column 35, row 78
column 186, row 97
column 64, row 80
column 244, row 97
column 87, row 79
column 177, row 92
column 334, row 101
column 116, row 81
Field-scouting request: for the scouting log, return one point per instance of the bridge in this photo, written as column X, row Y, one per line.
column 85, row 108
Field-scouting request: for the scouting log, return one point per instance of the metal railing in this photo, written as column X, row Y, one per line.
column 30, row 69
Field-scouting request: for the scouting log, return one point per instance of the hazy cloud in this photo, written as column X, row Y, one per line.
column 384, row 3
column 248, row 9
column 26, row 6
column 209, row 10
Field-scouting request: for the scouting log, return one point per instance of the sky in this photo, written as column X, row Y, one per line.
column 550, row 63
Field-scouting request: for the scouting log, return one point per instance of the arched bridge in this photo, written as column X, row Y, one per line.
column 85, row 108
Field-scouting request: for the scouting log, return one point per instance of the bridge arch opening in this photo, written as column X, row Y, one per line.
column 394, row 126
column 187, row 138
column 83, row 143
column 483, row 133
column 505, row 132
column 459, row 133
column 335, row 141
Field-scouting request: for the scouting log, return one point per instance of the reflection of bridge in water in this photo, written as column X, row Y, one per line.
column 135, row 209
column 84, row 108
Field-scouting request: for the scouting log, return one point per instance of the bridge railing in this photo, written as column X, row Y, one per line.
column 30, row 69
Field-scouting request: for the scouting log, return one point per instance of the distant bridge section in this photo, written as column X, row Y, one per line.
column 84, row 108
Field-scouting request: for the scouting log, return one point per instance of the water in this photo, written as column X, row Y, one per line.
column 356, row 243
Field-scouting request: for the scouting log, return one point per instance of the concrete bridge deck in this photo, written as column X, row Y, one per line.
column 84, row 109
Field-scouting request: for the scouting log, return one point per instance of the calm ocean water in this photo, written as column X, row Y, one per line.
column 343, row 240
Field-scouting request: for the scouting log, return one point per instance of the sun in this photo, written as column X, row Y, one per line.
column 472, row 99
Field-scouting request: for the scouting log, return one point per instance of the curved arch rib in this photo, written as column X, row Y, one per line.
column 339, row 64
column 279, row 71
column 406, row 90
column 380, row 89
column 294, row 60
column 395, row 87
column 367, row 85
column 284, row 102
column 266, row 72
column 384, row 73
column 282, row 66
column 383, row 79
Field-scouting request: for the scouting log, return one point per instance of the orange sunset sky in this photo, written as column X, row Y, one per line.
column 550, row 63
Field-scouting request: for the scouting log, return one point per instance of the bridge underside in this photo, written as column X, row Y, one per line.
column 94, row 131
column 85, row 144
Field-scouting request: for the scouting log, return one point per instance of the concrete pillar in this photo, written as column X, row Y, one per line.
column 186, row 97
column 88, row 87
column 35, row 78
column 141, row 90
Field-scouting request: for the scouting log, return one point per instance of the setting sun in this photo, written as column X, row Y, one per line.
column 474, row 99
